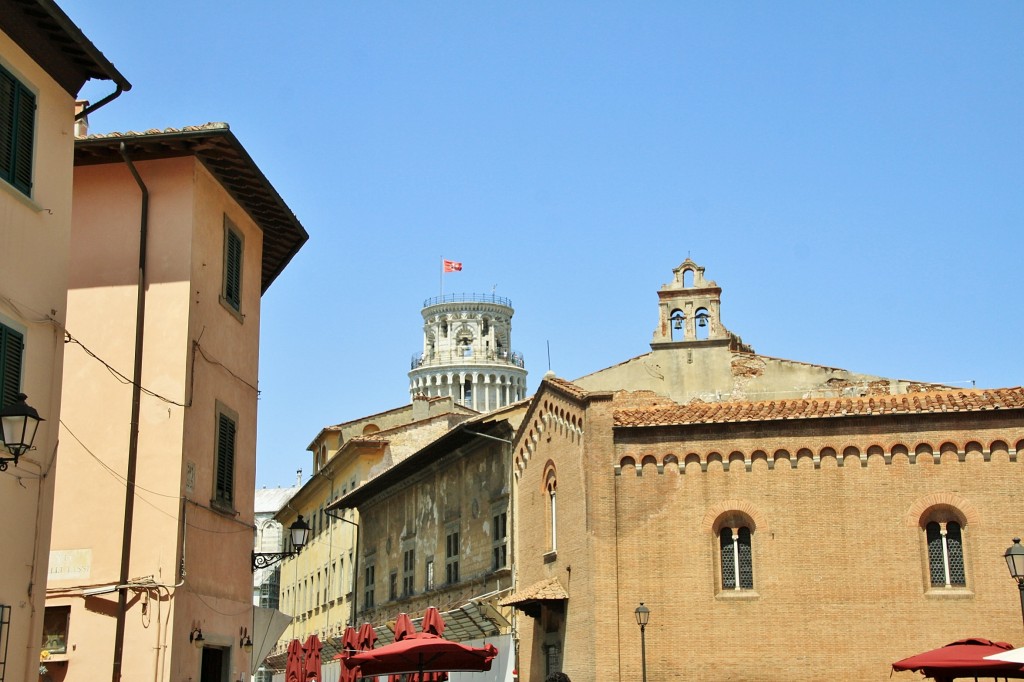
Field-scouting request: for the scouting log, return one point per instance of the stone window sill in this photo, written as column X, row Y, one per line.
column 737, row 595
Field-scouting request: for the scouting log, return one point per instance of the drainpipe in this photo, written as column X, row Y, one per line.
column 133, row 442
column 106, row 100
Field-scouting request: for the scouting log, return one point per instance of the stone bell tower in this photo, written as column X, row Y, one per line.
column 467, row 352
column 689, row 311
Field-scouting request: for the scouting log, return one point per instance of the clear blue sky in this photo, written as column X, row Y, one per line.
column 852, row 175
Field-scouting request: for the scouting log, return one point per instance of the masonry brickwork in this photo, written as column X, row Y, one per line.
column 625, row 481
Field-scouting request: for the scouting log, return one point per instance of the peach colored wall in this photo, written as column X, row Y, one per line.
column 174, row 524
column 218, row 557
column 34, row 236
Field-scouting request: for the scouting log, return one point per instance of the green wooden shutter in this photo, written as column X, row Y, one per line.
column 233, row 269
column 17, row 131
column 225, row 459
column 12, row 347
column 8, row 90
column 25, row 140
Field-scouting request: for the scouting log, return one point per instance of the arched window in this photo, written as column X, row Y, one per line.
column 945, row 554
column 551, row 488
column 703, row 324
column 677, row 327
column 737, row 558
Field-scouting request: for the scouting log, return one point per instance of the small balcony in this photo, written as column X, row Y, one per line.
column 468, row 298
column 466, row 355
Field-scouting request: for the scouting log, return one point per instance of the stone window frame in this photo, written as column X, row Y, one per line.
column 948, row 521
column 732, row 515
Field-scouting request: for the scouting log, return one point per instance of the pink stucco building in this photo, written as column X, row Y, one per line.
column 176, row 235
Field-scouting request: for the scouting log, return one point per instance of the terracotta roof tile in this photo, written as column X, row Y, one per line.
column 567, row 386
column 545, row 590
column 808, row 408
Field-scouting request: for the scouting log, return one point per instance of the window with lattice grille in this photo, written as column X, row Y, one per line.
column 945, row 554
column 736, row 558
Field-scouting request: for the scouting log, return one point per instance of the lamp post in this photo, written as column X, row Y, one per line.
column 643, row 615
column 1015, row 562
column 20, row 422
column 299, row 534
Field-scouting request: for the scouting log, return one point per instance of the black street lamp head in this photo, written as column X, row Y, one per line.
column 1015, row 560
column 643, row 615
column 20, row 421
column 300, row 533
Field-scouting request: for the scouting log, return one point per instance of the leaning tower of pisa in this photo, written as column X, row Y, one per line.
column 467, row 352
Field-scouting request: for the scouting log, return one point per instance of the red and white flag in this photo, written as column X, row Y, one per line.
column 452, row 266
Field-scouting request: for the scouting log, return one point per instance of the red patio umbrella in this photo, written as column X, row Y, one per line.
column 349, row 643
column 403, row 628
column 311, row 671
column 963, row 658
column 367, row 640
column 293, row 664
column 423, row 653
column 433, row 623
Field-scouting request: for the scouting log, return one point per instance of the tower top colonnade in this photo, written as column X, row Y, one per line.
column 467, row 352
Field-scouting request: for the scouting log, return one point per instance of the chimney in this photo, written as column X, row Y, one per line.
column 81, row 124
column 298, row 478
column 420, row 407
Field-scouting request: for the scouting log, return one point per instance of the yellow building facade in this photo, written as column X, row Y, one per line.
column 316, row 585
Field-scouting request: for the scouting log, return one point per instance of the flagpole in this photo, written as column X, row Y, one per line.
column 441, row 278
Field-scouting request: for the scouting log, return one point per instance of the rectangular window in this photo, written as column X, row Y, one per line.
column 368, row 593
column 499, row 542
column 428, row 581
column 224, row 481
column 17, row 132
column 451, row 558
column 55, row 629
column 12, row 347
column 393, row 585
column 232, row 294
column 408, row 571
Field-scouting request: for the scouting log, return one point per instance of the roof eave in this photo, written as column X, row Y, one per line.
column 58, row 45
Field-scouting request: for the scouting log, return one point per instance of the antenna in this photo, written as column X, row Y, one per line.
column 549, row 355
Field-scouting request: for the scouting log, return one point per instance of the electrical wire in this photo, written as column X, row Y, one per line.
column 115, row 373
column 220, row 364
column 124, row 481
column 198, row 596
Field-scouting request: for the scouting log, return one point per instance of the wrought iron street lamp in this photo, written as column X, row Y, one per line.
column 1015, row 562
column 20, row 422
column 643, row 615
column 299, row 534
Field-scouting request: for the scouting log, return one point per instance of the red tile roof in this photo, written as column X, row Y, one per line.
column 697, row 412
column 566, row 386
column 545, row 590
